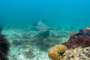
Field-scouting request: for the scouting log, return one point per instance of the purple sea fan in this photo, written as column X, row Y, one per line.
column 79, row 41
column 4, row 47
column 86, row 41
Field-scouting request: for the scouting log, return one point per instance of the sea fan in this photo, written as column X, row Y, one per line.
column 4, row 47
column 79, row 41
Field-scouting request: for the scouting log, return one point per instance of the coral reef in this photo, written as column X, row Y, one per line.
column 81, row 39
column 55, row 52
column 4, row 47
column 86, row 29
column 76, row 54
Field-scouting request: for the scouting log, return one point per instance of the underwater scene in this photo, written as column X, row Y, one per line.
column 44, row 29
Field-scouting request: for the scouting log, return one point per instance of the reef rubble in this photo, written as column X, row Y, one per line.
column 78, row 47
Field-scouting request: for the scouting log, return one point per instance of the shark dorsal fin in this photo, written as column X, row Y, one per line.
column 41, row 26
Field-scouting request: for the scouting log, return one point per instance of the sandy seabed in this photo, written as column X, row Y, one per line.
column 24, row 47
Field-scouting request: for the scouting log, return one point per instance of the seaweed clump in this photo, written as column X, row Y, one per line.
column 4, row 47
column 81, row 39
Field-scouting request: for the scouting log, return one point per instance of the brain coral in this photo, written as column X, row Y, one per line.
column 54, row 53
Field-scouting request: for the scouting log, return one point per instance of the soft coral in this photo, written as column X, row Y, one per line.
column 4, row 47
column 81, row 39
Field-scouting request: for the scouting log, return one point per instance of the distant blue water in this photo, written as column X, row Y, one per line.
column 59, row 12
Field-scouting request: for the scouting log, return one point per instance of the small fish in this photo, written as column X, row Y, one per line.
column 72, row 36
column 86, row 29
